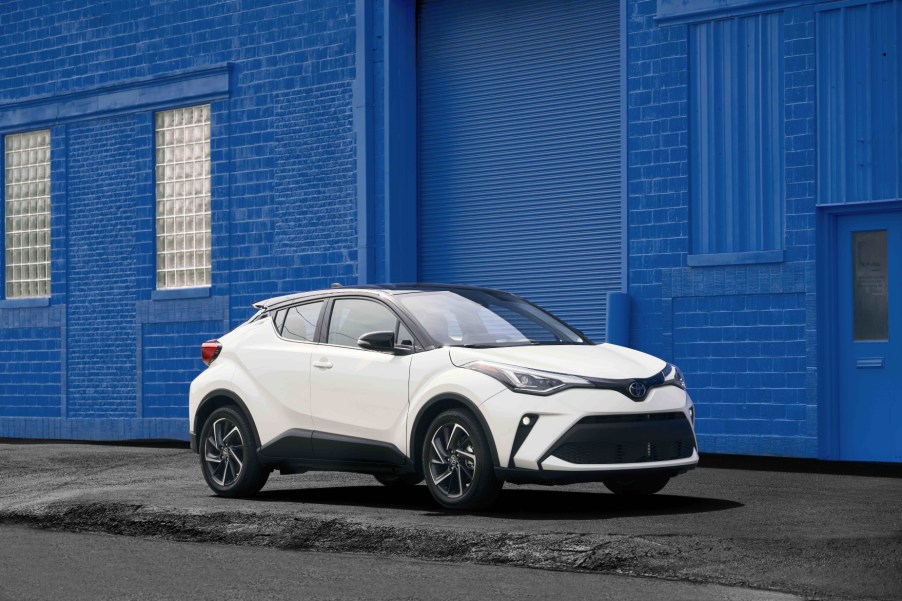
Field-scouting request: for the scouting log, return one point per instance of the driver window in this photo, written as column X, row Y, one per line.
column 352, row 318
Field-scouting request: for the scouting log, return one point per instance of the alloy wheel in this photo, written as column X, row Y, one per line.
column 224, row 452
column 452, row 460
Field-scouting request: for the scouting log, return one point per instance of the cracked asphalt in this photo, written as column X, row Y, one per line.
column 819, row 536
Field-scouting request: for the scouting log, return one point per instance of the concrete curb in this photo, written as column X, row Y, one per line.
column 549, row 551
column 613, row 554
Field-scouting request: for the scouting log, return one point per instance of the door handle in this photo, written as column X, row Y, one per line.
column 323, row 364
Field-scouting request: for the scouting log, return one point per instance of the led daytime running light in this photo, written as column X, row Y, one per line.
column 528, row 381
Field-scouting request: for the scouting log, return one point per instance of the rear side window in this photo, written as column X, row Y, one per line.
column 299, row 322
column 352, row 318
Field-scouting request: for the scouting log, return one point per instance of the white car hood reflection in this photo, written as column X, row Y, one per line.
column 607, row 361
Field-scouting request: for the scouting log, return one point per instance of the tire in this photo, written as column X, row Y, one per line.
column 399, row 480
column 637, row 487
column 228, row 455
column 458, row 467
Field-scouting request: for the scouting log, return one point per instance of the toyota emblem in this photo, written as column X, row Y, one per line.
column 638, row 390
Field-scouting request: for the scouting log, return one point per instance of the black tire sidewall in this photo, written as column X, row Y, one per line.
column 252, row 476
column 485, row 487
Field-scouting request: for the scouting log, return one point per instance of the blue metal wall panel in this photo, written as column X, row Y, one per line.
column 859, row 79
column 519, row 142
column 736, row 134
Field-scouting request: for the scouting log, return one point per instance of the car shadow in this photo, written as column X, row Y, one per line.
column 513, row 503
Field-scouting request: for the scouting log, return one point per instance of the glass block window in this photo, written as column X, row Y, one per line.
column 27, row 214
column 183, row 197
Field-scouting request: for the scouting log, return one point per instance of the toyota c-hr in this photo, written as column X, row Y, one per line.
column 464, row 387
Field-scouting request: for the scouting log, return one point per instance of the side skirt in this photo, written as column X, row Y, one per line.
column 298, row 451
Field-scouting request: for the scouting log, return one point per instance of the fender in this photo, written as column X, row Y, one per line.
column 221, row 392
column 474, row 409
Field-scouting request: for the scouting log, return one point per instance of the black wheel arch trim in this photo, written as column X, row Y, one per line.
column 474, row 409
column 222, row 392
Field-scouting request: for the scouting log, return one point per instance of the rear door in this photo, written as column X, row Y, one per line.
column 278, row 359
column 359, row 397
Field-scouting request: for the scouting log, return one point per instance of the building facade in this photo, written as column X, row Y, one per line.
column 715, row 182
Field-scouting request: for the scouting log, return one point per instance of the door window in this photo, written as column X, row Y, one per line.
column 352, row 318
column 300, row 322
column 870, row 297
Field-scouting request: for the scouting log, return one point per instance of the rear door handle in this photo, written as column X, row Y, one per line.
column 323, row 364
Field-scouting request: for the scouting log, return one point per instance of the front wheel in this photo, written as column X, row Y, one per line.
column 457, row 462
column 228, row 455
column 637, row 487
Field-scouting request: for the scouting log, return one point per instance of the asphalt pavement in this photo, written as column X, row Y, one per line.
column 39, row 565
column 819, row 536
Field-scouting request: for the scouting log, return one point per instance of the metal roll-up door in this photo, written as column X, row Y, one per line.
column 519, row 150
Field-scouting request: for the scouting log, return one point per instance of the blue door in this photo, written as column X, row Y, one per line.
column 870, row 337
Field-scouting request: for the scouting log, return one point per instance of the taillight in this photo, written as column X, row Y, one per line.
column 209, row 351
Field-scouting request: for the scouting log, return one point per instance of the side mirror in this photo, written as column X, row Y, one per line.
column 378, row 341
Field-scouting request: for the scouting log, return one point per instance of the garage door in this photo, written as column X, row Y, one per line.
column 519, row 142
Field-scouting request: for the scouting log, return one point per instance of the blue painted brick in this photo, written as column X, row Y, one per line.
column 283, row 191
column 739, row 332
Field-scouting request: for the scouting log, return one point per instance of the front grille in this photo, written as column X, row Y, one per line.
column 634, row 438
column 630, row 452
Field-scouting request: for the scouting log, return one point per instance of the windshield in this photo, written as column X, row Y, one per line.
column 477, row 318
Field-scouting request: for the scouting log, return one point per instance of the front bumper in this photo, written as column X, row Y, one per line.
column 583, row 435
column 516, row 475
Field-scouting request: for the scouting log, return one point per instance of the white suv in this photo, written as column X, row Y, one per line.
column 465, row 387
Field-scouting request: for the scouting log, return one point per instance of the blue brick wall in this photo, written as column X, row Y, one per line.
column 102, row 269
column 30, row 372
column 171, row 359
column 744, row 334
column 283, row 194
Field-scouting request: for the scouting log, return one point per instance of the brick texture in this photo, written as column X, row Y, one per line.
column 283, row 198
column 743, row 334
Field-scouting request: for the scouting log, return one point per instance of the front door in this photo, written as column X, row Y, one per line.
column 869, row 283
column 359, row 396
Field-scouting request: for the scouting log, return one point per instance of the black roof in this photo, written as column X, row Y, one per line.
column 386, row 288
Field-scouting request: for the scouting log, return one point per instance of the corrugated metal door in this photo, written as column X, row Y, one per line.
column 519, row 150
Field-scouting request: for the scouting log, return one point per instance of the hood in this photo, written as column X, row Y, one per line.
column 607, row 361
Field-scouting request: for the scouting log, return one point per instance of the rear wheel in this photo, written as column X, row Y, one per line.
column 228, row 455
column 399, row 480
column 637, row 487
column 457, row 462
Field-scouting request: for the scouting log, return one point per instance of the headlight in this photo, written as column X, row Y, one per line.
column 673, row 375
column 528, row 381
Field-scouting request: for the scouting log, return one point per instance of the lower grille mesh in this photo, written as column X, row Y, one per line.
column 636, row 438
column 632, row 452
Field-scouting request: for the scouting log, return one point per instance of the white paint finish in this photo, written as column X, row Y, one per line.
column 559, row 412
column 601, row 361
column 377, row 396
column 553, row 463
column 363, row 394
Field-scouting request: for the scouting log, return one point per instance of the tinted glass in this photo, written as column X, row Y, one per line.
column 480, row 318
column 870, row 285
column 300, row 322
column 404, row 337
column 352, row 318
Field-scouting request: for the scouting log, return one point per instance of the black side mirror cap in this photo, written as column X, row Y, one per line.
column 378, row 341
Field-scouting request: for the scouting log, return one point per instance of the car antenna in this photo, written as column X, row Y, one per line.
column 335, row 285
